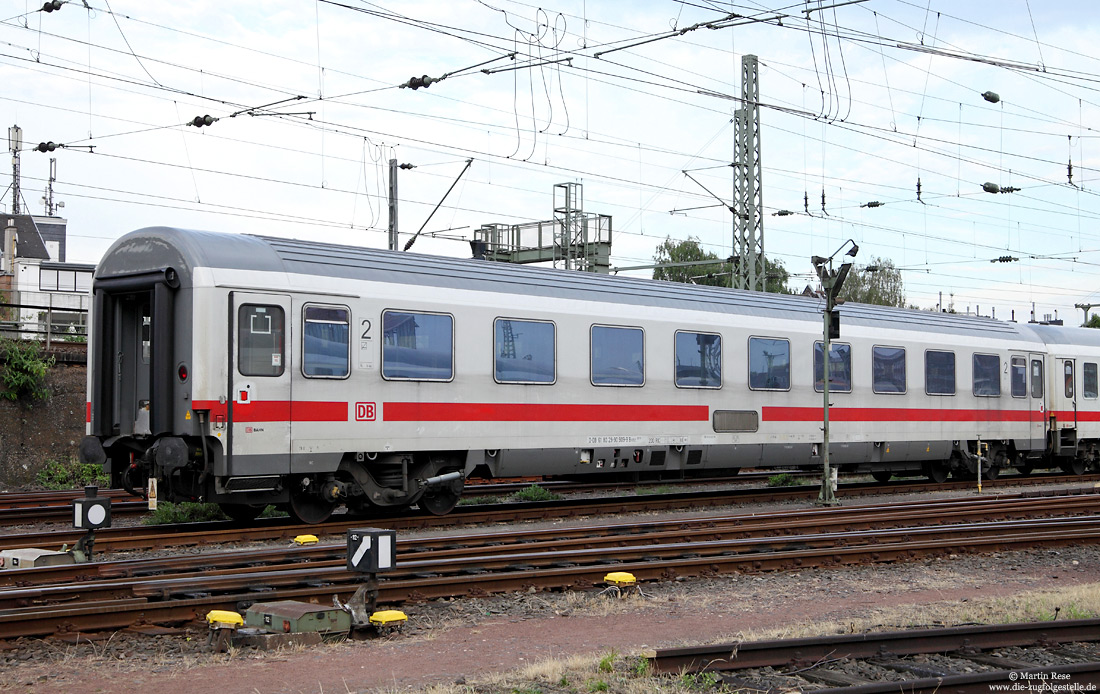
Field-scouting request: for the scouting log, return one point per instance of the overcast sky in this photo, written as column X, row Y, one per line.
column 859, row 102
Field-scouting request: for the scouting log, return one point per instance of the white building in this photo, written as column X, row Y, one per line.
column 52, row 296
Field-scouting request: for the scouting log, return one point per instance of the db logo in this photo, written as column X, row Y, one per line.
column 364, row 411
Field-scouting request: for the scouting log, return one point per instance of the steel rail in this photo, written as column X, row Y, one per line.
column 162, row 600
column 28, row 507
column 464, row 562
column 158, row 537
column 584, row 536
column 806, row 652
column 205, row 534
column 588, row 536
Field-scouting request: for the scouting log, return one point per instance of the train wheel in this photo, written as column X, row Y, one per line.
column 242, row 512
column 310, row 509
column 1074, row 466
column 441, row 502
column 937, row 471
column 1024, row 470
column 882, row 476
column 993, row 473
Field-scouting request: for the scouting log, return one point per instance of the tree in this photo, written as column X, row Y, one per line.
column 1092, row 322
column 878, row 283
column 715, row 274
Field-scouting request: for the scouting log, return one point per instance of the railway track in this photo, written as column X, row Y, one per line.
column 30, row 507
column 835, row 664
column 19, row 508
column 127, row 538
column 121, row 594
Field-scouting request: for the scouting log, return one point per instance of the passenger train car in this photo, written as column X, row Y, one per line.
column 246, row 371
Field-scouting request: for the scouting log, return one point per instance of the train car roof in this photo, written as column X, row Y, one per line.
column 1065, row 335
column 154, row 248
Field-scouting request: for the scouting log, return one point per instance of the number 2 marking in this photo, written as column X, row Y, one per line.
column 366, row 329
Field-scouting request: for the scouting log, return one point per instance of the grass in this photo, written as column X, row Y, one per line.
column 531, row 493
column 783, row 479
column 168, row 513
column 480, row 500
column 535, row 493
column 607, row 663
column 71, row 474
column 612, row 672
column 647, row 491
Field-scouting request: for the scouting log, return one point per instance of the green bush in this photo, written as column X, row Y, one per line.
column 168, row 513
column 71, row 474
column 784, row 479
column 535, row 493
column 24, row 371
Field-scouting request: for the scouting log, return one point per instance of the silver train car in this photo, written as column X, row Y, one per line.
column 247, row 371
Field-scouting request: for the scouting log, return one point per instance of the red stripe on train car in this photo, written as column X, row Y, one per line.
column 1065, row 416
column 88, row 413
column 318, row 411
column 519, row 412
column 875, row 414
column 279, row 410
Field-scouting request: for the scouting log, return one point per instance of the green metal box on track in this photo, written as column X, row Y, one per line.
column 293, row 617
column 34, row 558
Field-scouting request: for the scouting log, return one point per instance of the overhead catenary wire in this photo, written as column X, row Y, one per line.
column 636, row 145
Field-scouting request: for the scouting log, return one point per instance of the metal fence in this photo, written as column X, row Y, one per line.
column 49, row 324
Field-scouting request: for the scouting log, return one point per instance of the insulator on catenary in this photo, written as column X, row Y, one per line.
column 51, row 6
column 46, row 146
column 991, row 97
column 200, row 121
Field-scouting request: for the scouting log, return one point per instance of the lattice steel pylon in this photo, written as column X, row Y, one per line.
column 748, row 193
column 571, row 242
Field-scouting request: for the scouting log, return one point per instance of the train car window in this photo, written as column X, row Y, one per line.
column 769, row 364
column 840, row 367
column 888, row 369
column 325, row 343
column 618, row 356
column 1036, row 378
column 146, row 334
column 698, row 360
column 524, row 351
column 1018, row 376
column 417, row 346
column 1089, row 387
column 987, row 375
column 260, row 340
column 1068, row 365
column 939, row 372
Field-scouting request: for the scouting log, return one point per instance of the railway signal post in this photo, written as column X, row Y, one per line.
column 371, row 550
column 831, row 283
column 90, row 513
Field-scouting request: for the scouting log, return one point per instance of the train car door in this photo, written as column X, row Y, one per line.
column 133, row 338
column 1039, row 420
column 1063, row 400
column 259, row 384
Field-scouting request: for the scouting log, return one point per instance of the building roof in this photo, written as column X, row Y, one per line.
column 28, row 239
